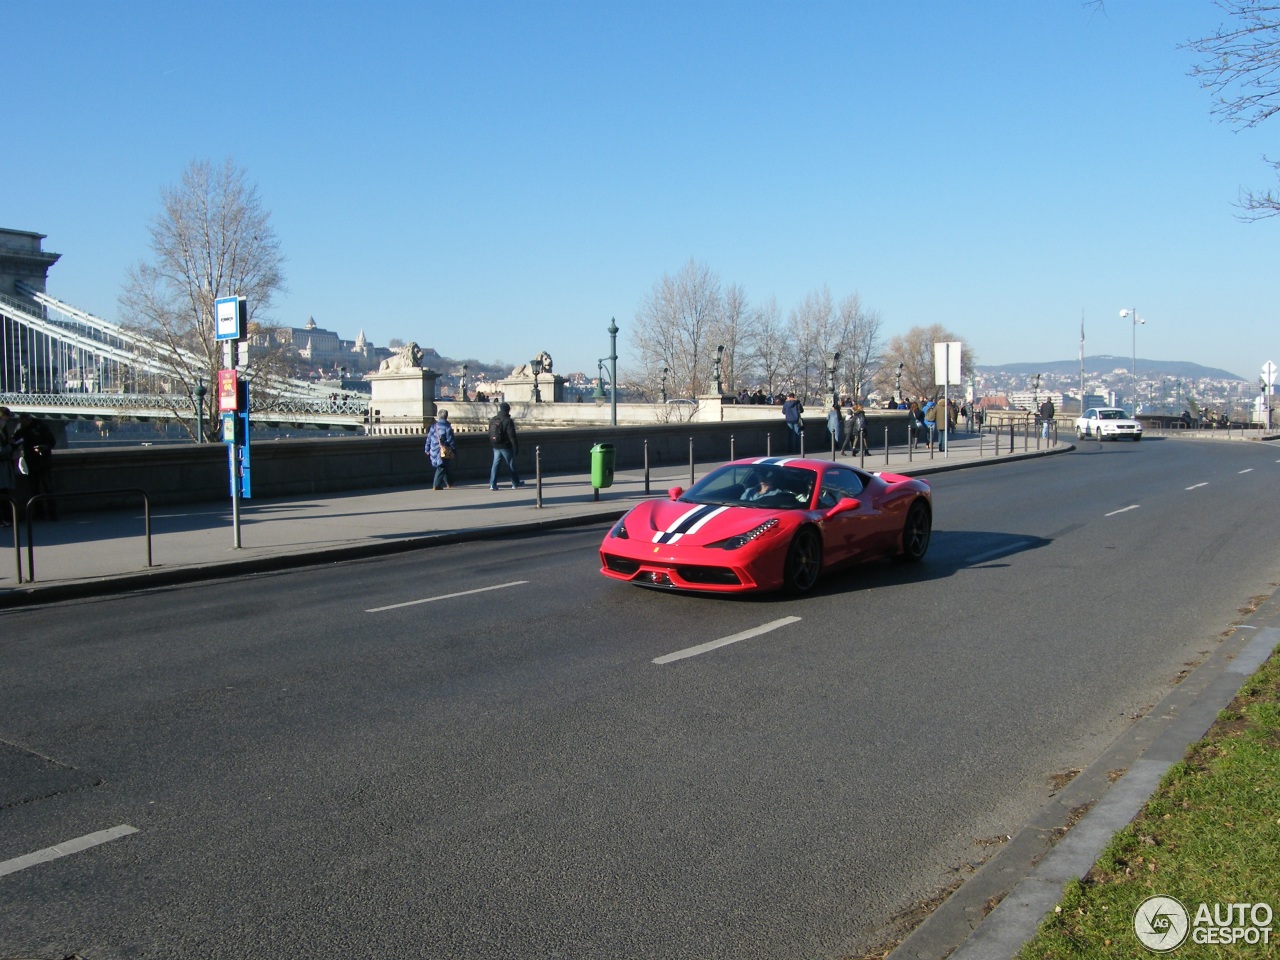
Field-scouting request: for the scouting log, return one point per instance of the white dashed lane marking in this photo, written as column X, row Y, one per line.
column 1132, row 506
column 65, row 849
column 446, row 596
column 725, row 641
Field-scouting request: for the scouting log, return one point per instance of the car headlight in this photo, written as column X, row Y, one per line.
column 619, row 530
column 742, row 539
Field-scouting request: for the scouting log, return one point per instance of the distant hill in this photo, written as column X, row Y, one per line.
column 1106, row 363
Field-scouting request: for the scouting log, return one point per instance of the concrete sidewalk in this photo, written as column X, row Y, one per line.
column 90, row 554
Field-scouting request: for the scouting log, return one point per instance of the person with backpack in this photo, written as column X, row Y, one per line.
column 441, row 448
column 855, row 430
column 502, row 438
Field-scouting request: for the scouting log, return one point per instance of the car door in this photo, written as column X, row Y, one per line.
column 849, row 534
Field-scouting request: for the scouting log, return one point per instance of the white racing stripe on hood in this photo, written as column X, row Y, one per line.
column 701, row 522
column 692, row 518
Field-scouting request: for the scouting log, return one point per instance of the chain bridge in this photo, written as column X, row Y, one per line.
column 60, row 362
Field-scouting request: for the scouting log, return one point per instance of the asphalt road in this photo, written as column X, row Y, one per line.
column 471, row 752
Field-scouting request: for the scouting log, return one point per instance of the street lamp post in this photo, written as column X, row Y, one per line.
column 833, row 358
column 1035, row 392
column 613, row 372
column 1133, row 312
column 536, row 366
column 200, row 393
column 719, row 361
column 897, row 385
column 665, row 371
column 462, row 385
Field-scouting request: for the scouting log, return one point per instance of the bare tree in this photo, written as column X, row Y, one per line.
column 675, row 326
column 211, row 239
column 732, row 332
column 813, row 334
column 914, row 350
column 858, row 336
column 769, row 356
column 1242, row 70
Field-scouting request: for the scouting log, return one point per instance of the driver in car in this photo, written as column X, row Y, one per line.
column 767, row 485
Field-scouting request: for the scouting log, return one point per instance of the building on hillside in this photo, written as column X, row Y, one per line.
column 319, row 349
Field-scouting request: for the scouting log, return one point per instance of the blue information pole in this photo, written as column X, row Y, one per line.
column 231, row 315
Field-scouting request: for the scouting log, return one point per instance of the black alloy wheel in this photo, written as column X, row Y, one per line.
column 916, row 532
column 804, row 562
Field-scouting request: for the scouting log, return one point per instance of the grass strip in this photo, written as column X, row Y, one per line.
column 1209, row 836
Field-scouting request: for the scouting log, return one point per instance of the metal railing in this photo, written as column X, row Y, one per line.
column 13, row 523
column 97, row 494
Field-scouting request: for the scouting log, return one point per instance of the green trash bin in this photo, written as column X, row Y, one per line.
column 602, row 458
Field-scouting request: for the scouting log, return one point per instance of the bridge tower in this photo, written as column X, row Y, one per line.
column 22, row 259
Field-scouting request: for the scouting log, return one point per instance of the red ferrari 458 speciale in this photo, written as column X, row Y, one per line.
column 769, row 523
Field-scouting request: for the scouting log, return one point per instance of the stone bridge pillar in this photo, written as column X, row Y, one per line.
column 403, row 402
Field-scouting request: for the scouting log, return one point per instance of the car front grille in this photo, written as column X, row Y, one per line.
column 720, row 576
column 620, row 565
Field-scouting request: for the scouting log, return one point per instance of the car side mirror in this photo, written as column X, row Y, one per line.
column 674, row 493
column 844, row 506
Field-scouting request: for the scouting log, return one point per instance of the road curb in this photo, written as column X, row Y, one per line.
column 1028, row 875
column 27, row 595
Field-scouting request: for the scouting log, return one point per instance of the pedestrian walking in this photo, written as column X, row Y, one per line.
column 35, row 444
column 855, row 430
column 930, row 418
column 833, row 427
column 793, row 414
column 442, row 449
column 502, row 438
column 1047, row 413
column 8, row 463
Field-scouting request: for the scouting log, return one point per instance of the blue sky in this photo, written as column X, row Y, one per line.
column 497, row 179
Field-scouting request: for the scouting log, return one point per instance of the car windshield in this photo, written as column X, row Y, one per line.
column 1112, row 415
column 755, row 485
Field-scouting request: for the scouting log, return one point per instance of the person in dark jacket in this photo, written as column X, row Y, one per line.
column 793, row 414
column 502, row 438
column 35, row 442
column 855, row 430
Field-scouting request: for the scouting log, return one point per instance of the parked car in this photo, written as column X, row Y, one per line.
column 1108, row 423
column 769, row 523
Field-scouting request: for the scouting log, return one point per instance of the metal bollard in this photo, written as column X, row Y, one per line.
column 886, row 446
column 768, row 444
column 646, row 466
column 731, row 455
column 691, row 473
column 537, row 478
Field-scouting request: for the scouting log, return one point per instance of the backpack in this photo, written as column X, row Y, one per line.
column 496, row 432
